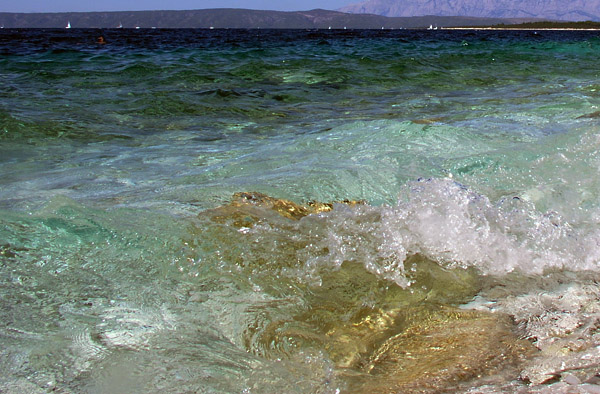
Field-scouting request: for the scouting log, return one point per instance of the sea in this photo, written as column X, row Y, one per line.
column 299, row 211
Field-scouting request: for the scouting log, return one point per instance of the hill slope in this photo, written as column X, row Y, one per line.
column 233, row 18
column 575, row 10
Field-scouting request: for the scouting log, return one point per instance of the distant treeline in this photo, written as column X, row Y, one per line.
column 551, row 25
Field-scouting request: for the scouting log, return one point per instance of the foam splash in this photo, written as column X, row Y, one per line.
column 451, row 224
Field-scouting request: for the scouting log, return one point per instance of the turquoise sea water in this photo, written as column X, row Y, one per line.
column 475, row 151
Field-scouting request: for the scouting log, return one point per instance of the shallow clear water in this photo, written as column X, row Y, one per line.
column 124, row 268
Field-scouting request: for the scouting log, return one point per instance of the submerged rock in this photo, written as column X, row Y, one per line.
column 381, row 338
column 246, row 208
column 284, row 207
column 409, row 350
column 441, row 348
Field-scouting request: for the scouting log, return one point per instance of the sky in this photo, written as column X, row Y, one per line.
column 138, row 5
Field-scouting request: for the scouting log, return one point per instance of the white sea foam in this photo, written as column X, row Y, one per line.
column 457, row 227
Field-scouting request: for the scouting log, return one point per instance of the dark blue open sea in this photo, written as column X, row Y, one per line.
column 272, row 211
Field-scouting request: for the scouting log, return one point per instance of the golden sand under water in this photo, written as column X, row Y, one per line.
column 400, row 340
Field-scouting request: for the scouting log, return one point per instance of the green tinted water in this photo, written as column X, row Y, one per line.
column 476, row 154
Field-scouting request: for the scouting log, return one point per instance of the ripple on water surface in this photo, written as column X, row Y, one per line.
column 427, row 187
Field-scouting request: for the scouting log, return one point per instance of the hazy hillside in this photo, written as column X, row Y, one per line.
column 233, row 18
column 575, row 10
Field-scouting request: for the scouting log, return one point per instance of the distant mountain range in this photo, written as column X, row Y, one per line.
column 237, row 18
column 570, row 10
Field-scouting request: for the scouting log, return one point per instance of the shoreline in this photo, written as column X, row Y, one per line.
column 520, row 28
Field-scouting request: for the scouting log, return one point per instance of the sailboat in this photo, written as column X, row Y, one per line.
column 68, row 25
column 120, row 26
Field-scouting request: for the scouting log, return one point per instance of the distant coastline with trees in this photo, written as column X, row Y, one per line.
column 538, row 25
